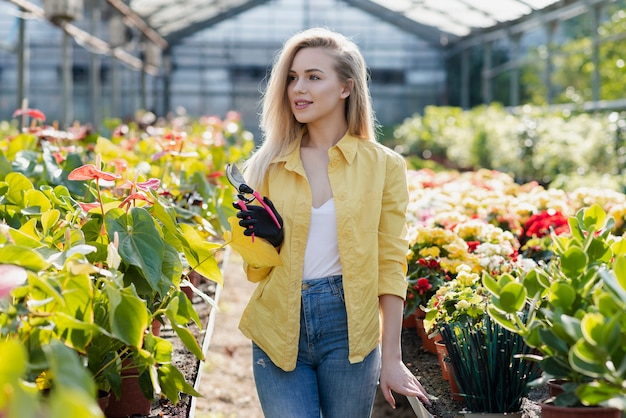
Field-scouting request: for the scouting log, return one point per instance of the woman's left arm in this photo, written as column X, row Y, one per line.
column 394, row 374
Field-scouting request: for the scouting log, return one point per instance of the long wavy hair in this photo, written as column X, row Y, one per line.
column 278, row 124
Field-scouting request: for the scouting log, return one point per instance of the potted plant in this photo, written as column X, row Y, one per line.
column 105, row 252
column 571, row 310
column 490, row 374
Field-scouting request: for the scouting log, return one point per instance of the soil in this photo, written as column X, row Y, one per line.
column 227, row 385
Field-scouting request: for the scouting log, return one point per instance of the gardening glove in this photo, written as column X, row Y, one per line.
column 256, row 220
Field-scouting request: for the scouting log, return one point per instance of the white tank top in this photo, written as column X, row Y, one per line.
column 321, row 257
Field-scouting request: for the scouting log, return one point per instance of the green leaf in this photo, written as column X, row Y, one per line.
column 584, row 359
column 502, row 319
column 15, row 360
column 562, row 295
column 619, row 248
column 67, row 370
column 18, row 185
column 599, row 250
column 573, row 262
column 140, row 243
column 491, row 284
column 513, row 297
column 128, row 315
column 5, row 166
column 173, row 382
column 594, row 218
column 596, row 392
column 619, row 270
column 160, row 348
column 201, row 254
column 36, row 199
column 78, row 294
column 592, row 327
column 568, row 327
column 73, row 403
column 49, row 219
column 22, row 256
column 184, row 334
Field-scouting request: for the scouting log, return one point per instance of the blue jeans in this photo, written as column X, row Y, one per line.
column 324, row 383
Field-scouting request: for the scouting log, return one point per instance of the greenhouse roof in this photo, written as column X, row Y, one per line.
column 451, row 19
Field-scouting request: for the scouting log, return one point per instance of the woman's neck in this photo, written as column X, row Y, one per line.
column 324, row 136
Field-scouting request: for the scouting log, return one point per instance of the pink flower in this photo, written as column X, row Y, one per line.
column 152, row 183
column 90, row 172
column 11, row 276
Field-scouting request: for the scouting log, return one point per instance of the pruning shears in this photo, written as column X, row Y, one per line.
column 245, row 193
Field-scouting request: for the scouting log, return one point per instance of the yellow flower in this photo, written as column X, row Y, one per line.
column 430, row 252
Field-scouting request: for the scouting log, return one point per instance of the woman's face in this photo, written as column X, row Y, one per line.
column 314, row 90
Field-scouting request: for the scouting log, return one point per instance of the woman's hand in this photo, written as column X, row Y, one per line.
column 394, row 375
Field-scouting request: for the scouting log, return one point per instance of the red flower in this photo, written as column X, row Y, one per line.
column 472, row 245
column 33, row 113
column 542, row 224
column 90, row 172
column 423, row 285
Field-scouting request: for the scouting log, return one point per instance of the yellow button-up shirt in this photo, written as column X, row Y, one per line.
column 369, row 187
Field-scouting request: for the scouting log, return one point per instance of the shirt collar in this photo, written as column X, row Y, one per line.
column 347, row 145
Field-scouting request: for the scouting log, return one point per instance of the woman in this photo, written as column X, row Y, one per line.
column 340, row 199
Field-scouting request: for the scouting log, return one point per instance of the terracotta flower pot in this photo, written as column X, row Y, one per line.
column 427, row 343
column 103, row 400
column 131, row 401
column 454, row 386
column 442, row 353
column 551, row 411
column 409, row 322
column 555, row 387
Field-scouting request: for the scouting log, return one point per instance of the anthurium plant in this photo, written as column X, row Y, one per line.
column 100, row 247
column 572, row 311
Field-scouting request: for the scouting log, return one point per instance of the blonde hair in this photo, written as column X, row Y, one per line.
column 279, row 126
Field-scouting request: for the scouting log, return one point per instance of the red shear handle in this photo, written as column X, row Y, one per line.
column 243, row 206
column 267, row 208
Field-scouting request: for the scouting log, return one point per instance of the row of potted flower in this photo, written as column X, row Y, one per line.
column 487, row 257
column 98, row 237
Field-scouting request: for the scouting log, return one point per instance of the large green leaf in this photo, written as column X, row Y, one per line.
column 22, row 256
column 140, row 243
column 78, row 295
column 128, row 315
column 200, row 254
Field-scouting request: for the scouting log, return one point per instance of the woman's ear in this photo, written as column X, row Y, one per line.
column 347, row 88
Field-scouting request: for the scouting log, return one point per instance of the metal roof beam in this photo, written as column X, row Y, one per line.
column 558, row 11
column 178, row 36
column 139, row 23
column 429, row 33
column 85, row 39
